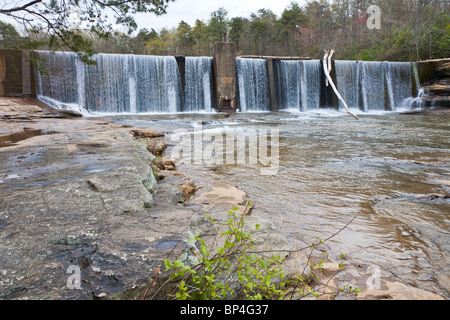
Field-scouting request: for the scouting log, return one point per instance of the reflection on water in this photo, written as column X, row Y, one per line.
column 392, row 168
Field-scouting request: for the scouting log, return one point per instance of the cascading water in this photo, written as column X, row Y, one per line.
column 288, row 74
column 63, row 78
column 198, row 87
column 374, row 85
column 310, row 71
column 372, row 82
column 115, row 84
column 399, row 83
column 299, row 84
column 347, row 82
column 415, row 102
column 152, row 84
column 253, row 84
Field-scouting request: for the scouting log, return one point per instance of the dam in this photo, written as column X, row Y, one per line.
column 137, row 84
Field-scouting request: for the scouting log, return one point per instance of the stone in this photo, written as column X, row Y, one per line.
column 145, row 133
column 187, row 191
column 83, row 197
column 156, row 147
column 168, row 165
column 398, row 291
column 296, row 265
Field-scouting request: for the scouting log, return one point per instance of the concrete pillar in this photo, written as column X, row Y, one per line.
column 272, row 86
column 225, row 76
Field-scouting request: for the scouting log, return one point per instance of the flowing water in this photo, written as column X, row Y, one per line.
column 198, row 88
column 253, row 85
column 392, row 169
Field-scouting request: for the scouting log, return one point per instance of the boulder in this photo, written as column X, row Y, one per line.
column 168, row 165
column 156, row 147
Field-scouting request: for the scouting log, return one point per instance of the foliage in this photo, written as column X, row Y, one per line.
column 232, row 268
column 219, row 270
column 411, row 29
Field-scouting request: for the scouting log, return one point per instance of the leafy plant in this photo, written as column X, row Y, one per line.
column 229, row 271
column 235, row 269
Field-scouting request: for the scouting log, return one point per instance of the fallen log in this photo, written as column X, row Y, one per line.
column 327, row 70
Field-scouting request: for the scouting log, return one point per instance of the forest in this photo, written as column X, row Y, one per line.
column 410, row 30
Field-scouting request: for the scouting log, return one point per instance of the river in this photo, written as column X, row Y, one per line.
column 391, row 169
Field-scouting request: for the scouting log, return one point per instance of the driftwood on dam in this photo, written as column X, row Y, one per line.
column 327, row 70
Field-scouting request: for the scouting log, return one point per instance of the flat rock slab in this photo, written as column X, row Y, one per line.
column 82, row 201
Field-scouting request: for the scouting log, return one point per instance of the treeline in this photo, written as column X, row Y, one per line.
column 410, row 30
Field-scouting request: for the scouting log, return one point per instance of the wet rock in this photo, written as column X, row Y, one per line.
column 215, row 205
column 165, row 165
column 86, row 198
column 145, row 133
column 187, row 191
column 156, row 147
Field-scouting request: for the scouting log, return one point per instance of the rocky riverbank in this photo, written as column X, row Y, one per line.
column 436, row 92
column 84, row 195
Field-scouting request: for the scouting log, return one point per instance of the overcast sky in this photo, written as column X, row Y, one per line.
column 190, row 10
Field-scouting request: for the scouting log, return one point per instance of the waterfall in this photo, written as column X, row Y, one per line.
column 347, row 82
column 372, row 81
column 299, row 84
column 288, row 74
column 198, row 88
column 61, row 81
column 115, row 84
column 310, row 71
column 253, row 84
column 399, row 83
column 152, row 84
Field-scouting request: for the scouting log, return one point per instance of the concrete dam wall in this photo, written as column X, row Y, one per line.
column 225, row 83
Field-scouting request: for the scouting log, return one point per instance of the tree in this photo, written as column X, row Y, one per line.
column 200, row 37
column 288, row 25
column 9, row 37
column 184, row 38
column 57, row 19
column 237, row 28
column 218, row 25
column 262, row 27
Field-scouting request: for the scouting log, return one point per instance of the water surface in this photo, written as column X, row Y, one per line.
column 392, row 169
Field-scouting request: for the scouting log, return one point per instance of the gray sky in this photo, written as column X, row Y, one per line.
column 190, row 10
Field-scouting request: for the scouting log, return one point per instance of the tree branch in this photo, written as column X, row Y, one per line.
column 6, row 11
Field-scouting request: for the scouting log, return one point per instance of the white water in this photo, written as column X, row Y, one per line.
column 253, row 84
column 116, row 84
column 310, row 84
column 299, row 84
column 347, row 78
column 198, row 88
column 375, row 86
column 130, row 84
